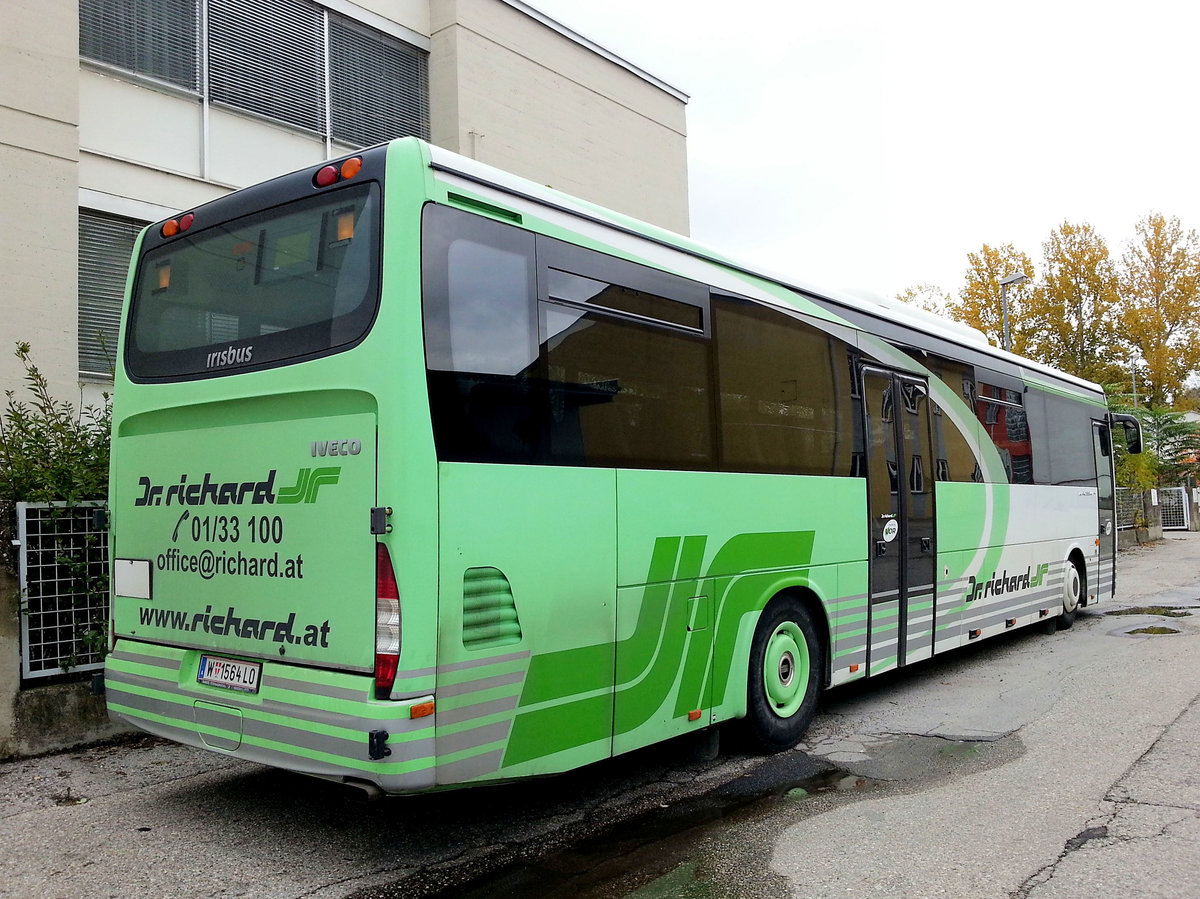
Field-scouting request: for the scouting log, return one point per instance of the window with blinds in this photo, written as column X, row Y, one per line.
column 289, row 60
column 157, row 38
column 379, row 85
column 269, row 59
column 105, row 245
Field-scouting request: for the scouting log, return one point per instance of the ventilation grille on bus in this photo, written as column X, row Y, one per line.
column 489, row 613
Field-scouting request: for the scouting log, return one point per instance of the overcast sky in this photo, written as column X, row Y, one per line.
column 873, row 144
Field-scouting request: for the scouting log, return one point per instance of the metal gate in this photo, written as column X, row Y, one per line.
column 1174, row 504
column 64, row 588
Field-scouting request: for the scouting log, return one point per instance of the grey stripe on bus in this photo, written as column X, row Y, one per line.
column 314, row 689
column 484, row 683
column 449, row 744
column 298, row 763
column 469, row 769
column 142, row 659
column 490, row 660
column 278, row 733
column 478, row 710
column 305, row 713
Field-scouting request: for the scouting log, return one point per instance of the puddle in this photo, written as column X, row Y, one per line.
column 1162, row 611
column 701, row 848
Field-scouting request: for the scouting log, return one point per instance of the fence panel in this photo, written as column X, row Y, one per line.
column 1129, row 504
column 64, row 595
column 1175, row 512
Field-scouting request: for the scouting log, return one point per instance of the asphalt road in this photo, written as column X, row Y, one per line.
column 1028, row 766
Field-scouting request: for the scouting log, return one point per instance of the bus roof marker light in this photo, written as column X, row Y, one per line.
column 351, row 167
column 170, row 228
column 326, row 176
column 186, row 220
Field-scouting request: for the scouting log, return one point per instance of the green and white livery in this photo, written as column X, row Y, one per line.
column 425, row 475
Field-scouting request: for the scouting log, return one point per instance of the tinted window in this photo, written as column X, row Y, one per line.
column 623, row 393
column 586, row 379
column 1069, row 427
column 786, row 397
column 954, row 460
column 1002, row 413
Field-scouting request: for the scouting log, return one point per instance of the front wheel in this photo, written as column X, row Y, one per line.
column 1072, row 593
column 787, row 662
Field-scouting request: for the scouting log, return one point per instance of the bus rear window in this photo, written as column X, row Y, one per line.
column 294, row 282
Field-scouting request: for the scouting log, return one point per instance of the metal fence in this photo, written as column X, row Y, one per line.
column 1175, row 512
column 64, row 595
column 1129, row 504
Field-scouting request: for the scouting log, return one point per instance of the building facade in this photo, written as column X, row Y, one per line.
column 115, row 113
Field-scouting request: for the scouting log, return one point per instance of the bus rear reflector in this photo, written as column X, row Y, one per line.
column 387, row 623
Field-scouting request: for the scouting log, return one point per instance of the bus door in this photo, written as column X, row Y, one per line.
column 902, row 547
column 1106, row 511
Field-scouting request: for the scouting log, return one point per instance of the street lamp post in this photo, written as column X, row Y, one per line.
column 1018, row 278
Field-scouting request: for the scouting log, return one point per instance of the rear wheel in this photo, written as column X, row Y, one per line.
column 787, row 661
column 1072, row 593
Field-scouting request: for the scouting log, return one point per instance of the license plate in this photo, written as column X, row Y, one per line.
column 229, row 673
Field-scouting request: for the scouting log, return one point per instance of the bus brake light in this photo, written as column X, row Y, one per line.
column 387, row 623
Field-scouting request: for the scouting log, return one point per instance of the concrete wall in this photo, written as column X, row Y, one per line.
column 519, row 94
column 39, row 112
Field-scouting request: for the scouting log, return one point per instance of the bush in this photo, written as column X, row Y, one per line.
column 51, row 452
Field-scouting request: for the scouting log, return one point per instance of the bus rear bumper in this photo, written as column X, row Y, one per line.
column 324, row 724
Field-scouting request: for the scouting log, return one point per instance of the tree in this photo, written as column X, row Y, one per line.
column 979, row 301
column 1174, row 443
column 926, row 296
column 1073, row 312
column 1160, row 306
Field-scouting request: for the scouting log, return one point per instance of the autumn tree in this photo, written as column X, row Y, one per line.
column 1073, row 312
column 1159, row 283
column 979, row 301
column 926, row 296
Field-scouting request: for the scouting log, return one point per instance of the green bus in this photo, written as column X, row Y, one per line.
column 425, row 475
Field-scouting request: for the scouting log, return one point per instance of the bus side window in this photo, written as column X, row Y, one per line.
column 1001, row 411
column 955, row 460
column 478, row 300
column 787, row 395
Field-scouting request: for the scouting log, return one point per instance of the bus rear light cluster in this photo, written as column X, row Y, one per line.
column 177, row 226
column 387, row 623
column 332, row 174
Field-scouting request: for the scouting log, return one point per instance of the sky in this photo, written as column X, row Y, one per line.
column 871, row 145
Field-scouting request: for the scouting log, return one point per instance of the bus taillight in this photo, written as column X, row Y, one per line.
column 387, row 623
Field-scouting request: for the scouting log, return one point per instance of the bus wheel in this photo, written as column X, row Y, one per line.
column 1072, row 592
column 786, row 665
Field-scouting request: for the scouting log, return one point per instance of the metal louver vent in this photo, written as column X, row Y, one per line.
column 105, row 245
column 379, row 86
column 489, row 611
column 268, row 58
column 157, row 38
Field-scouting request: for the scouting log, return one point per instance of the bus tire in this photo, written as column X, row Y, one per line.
column 1073, row 581
column 787, row 661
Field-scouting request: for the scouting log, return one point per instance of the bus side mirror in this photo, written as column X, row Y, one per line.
column 1133, row 431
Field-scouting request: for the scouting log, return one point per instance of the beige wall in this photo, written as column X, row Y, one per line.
column 39, row 110
column 513, row 92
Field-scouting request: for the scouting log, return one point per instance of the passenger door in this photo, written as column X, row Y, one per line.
column 900, row 509
column 1105, row 511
